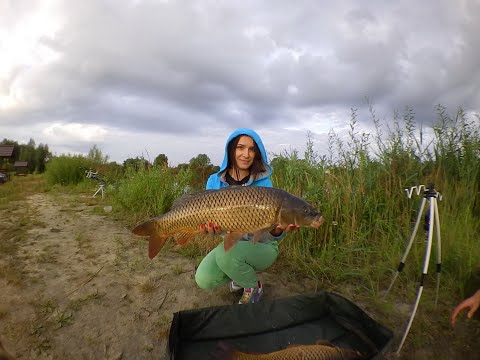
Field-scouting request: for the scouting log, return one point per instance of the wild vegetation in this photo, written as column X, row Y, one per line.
column 359, row 185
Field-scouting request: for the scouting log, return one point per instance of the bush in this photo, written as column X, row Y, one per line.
column 66, row 170
column 150, row 192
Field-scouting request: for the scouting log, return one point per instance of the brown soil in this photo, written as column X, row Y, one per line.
column 78, row 285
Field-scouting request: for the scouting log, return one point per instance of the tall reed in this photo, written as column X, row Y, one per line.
column 360, row 188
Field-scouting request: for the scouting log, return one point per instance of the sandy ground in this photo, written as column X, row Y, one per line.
column 87, row 290
column 79, row 286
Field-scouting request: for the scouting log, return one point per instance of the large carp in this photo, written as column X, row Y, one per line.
column 235, row 209
column 322, row 350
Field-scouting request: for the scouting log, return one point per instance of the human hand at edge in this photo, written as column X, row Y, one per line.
column 472, row 303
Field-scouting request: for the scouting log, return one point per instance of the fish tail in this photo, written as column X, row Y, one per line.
column 155, row 244
column 155, row 241
column 227, row 351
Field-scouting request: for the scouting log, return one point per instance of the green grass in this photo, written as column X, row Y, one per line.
column 16, row 221
column 19, row 187
column 148, row 284
column 147, row 193
column 368, row 215
column 359, row 185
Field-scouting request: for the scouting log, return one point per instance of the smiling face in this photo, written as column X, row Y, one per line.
column 244, row 153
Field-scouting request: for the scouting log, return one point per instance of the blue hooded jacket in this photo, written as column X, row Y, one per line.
column 217, row 180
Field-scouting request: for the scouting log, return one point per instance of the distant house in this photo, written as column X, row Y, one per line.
column 21, row 167
column 7, row 157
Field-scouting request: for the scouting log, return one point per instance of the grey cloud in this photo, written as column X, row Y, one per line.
column 163, row 66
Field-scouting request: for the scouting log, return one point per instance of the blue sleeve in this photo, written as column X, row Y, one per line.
column 264, row 182
column 211, row 183
column 267, row 237
column 278, row 238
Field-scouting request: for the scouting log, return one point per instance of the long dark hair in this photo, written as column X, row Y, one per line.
column 257, row 166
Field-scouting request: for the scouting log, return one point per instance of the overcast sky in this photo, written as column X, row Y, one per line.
column 176, row 77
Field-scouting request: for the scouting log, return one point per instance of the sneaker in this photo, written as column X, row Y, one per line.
column 252, row 295
column 233, row 287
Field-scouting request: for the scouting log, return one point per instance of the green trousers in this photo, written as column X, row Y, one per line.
column 239, row 264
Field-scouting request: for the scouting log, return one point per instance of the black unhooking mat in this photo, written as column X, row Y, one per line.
column 274, row 324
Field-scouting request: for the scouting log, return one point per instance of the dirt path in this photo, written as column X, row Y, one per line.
column 75, row 285
column 86, row 289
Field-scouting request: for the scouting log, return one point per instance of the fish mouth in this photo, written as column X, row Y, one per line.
column 317, row 222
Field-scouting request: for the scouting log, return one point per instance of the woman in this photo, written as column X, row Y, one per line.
column 245, row 163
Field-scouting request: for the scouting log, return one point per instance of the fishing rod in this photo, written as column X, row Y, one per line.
column 98, row 177
column 430, row 194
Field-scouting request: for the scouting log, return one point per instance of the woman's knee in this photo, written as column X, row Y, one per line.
column 203, row 281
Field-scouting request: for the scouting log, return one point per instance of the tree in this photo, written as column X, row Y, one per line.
column 202, row 168
column 36, row 156
column 27, row 153
column 8, row 142
column 181, row 167
column 136, row 163
column 42, row 155
column 161, row 160
column 97, row 156
column 200, row 161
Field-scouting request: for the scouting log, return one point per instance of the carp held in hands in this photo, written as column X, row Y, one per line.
column 234, row 209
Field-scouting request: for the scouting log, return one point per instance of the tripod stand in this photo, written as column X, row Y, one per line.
column 432, row 195
column 94, row 175
column 100, row 189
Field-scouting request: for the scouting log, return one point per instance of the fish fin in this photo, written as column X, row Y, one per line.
column 231, row 239
column 181, row 200
column 183, row 237
column 155, row 244
column 185, row 197
column 258, row 235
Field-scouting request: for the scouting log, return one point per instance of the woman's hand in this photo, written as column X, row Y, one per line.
column 210, row 229
column 279, row 230
column 472, row 303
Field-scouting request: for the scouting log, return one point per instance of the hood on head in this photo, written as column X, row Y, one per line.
column 258, row 141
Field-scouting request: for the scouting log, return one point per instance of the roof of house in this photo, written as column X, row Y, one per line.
column 20, row 164
column 6, row 150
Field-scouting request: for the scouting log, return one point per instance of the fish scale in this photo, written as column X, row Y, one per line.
column 235, row 209
column 322, row 351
